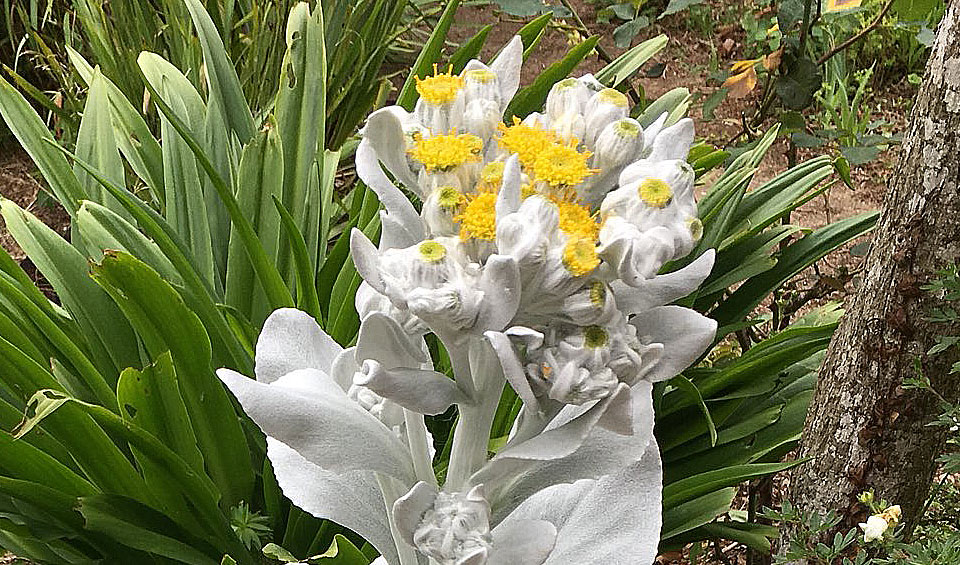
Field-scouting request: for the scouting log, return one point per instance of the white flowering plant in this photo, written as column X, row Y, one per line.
column 534, row 260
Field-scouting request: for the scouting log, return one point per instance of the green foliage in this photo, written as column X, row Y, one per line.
column 253, row 37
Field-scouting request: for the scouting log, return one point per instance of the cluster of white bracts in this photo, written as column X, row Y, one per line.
column 534, row 260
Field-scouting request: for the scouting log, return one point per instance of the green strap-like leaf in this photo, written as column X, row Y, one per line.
column 166, row 324
column 221, row 76
column 429, row 55
column 623, row 67
column 34, row 137
column 113, row 344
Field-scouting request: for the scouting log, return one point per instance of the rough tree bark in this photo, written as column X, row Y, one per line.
column 862, row 429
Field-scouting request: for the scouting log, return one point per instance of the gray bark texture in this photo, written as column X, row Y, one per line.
column 863, row 430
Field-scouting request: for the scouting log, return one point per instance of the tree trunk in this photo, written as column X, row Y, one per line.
column 862, row 429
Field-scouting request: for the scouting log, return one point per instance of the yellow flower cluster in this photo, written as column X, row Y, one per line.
column 441, row 87
column 444, row 152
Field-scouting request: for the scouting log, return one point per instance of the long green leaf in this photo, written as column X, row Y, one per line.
column 623, row 67
column 269, row 277
column 34, row 136
column 113, row 343
column 165, row 324
column 221, row 75
column 429, row 55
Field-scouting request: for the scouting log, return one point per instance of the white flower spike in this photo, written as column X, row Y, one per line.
column 535, row 261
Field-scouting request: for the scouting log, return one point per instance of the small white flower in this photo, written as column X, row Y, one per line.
column 874, row 528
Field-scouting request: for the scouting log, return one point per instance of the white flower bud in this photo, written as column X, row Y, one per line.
column 441, row 118
column 481, row 84
column 439, row 209
column 390, row 413
column 456, row 529
column 568, row 95
column 618, row 144
column 604, row 107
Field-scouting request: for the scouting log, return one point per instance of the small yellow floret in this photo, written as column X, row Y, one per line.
column 440, row 88
column 449, row 197
column 626, row 128
column 479, row 217
column 655, row 193
column 481, row 75
column 526, row 141
column 491, row 176
column 580, row 255
column 444, row 152
column 527, row 191
column 562, row 165
column 598, row 294
column 615, row 97
column 575, row 219
column 432, row 251
column 595, row 336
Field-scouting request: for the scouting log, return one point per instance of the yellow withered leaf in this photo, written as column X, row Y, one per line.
column 741, row 83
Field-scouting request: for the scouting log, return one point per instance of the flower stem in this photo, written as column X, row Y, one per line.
column 391, row 492
column 419, row 448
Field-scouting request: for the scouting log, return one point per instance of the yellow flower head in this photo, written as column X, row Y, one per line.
column 595, row 336
column 432, row 251
column 449, row 197
column 526, row 141
column 440, row 88
column 580, row 255
column 444, row 152
column 479, row 217
column 562, row 165
column 575, row 218
column 655, row 193
column 491, row 176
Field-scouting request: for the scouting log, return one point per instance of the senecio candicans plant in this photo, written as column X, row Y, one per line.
column 534, row 260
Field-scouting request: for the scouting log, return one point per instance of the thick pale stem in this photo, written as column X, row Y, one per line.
column 472, row 435
column 391, row 492
column 419, row 447
column 470, row 441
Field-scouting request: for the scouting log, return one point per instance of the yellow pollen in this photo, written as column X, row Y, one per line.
column 614, row 97
column 491, row 176
column 575, row 219
column 440, row 88
column 526, row 141
column 432, row 251
column 449, row 197
column 626, row 128
column 595, row 336
column 568, row 82
column 481, row 75
column 479, row 217
column 580, row 255
column 655, row 193
column 598, row 294
column 444, row 152
column 562, row 165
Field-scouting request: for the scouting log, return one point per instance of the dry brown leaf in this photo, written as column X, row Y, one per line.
column 772, row 61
